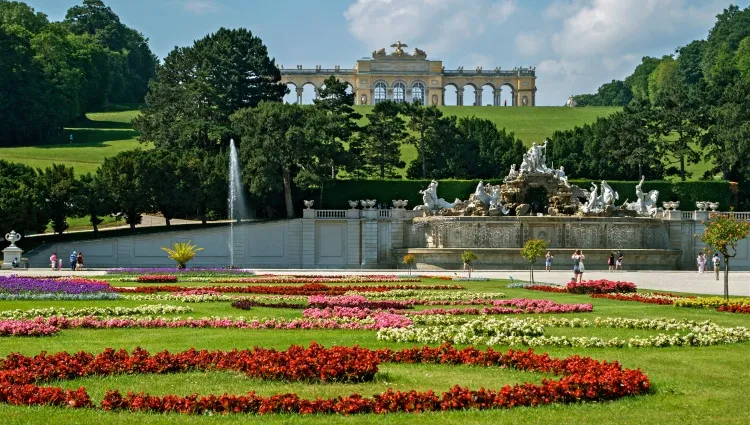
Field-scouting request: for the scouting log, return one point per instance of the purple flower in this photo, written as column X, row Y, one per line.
column 16, row 285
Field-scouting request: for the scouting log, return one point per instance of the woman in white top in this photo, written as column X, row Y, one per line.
column 701, row 262
column 578, row 268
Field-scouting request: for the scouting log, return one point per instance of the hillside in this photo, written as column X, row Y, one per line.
column 105, row 134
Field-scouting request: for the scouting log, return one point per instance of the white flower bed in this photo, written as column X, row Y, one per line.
column 94, row 311
column 530, row 332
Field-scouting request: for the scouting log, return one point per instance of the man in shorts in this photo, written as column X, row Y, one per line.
column 618, row 264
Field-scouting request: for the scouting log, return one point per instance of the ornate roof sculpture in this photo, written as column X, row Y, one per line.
column 399, row 53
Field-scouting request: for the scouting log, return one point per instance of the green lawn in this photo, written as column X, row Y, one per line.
column 690, row 385
column 101, row 135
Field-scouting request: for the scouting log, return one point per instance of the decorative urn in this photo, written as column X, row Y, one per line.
column 353, row 204
column 309, row 204
column 13, row 237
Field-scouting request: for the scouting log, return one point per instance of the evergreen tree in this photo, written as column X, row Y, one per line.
column 382, row 138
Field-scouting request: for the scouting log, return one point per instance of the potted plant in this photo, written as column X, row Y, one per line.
column 468, row 258
column 182, row 252
column 409, row 260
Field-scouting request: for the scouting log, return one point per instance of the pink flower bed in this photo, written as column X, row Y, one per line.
column 514, row 306
column 26, row 328
column 323, row 301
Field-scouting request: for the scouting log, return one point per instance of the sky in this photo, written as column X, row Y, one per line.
column 575, row 45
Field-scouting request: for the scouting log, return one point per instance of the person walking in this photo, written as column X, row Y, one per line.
column 548, row 261
column 611, row 261
column 59, row 264
column 73, row 261
column 53, row 261
column 578, row 267
column 79, row 261
column 717, row 263
column 618, row 264
column 701, row 262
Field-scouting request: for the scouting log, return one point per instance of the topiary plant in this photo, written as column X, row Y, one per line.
column 182, row 252
column 468, row 257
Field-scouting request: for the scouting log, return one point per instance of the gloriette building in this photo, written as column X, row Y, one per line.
column 404, row 77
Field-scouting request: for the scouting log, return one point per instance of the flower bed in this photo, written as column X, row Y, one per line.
column 530, row 332
column 307, row 289
column 59, row 296
column 18, row 285
column 710, row 302
column 322, row 301
column 94, row 311
column 156, row 278
column 734, row 308
column 26, row 328
column 514, row 306
column 647, row 298
column 307, row 279
column 601, row 286
column 581, row 379
column 248, row 304
column 194, row 271
column 546, row 288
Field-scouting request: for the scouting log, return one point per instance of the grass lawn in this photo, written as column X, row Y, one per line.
column 690, row 385
column 101, row 135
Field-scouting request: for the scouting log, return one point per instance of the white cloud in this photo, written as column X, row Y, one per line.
column 433, row 25
column 529, row 44
column 200, row 7
column 598, row 27
column 561, row 67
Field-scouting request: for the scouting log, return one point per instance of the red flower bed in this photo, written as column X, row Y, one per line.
column 546, row 288
column 601, row 286
column 734, row 308
column 581, row 379
column 636, row 298
column 156, row 278
column 315, row 279
column 308, row 289
column 248, row 304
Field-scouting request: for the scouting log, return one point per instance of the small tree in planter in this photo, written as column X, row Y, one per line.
column 468, row 258
column 533, row 250
column 722, row 234
column 182, row 252
column 409, row 260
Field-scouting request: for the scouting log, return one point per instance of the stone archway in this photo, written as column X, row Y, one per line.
column 506, row 94
column 450, row 95
column 294, row 95
column 468, row 95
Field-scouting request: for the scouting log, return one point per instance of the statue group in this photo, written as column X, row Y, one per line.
column 562, row 198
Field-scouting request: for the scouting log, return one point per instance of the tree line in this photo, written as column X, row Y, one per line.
column 53, row 72
column 678, row 110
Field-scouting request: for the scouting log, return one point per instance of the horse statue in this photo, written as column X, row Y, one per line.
column 430, row 200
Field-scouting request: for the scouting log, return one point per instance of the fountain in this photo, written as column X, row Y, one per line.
column 236, row 200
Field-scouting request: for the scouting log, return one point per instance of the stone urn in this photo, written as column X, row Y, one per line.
column 667, row 205
column 12, row 252
column 713, row 205
column 404, row 202
column 309, row 204
column 353, row 204
column 371, row 203
column 700, row 205
column 676, row 205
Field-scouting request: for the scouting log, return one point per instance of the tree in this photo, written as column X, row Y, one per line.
column 124, row 176
column 723, row 233
column 638, row 80
column 494, row 149
column 279, row 144
column 198, row 88
column 442, row 141
column 90, row 198
column 632, row 138
column 382, row 138
column 421, row 119
column 59, row 185
column 205, row 176
column 23, row 207
column 409, row 261
column 533, row 250
column 468, row 258
column 170, row 191
column 614, row 93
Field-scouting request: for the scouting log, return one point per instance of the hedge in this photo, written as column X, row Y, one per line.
column 340, row 192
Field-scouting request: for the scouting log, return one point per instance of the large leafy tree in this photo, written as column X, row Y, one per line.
column 638, row 80
column 421, row 120
column 205, row 178
column 614, row 93
column 280, row 144
column 23, row 207
column 91, row 198
column 199, row 87
column 125, row 177
column 382, row 138
column 59, row 185
column 169, row 184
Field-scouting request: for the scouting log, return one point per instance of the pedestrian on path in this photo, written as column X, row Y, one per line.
column 53, row 261
column 73, row 261
column 578, row 267
column 701, row 262
column 611, row 261
column 548, row 261
column 618, row 264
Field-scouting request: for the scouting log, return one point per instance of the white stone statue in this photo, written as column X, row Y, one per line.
column 592, row 205
column 513, row 174
column 571, row 103
column 525, row 164
column 535, row 161
column 560, row 174
column 12, row 237
column 609, row 196
column 646, row 204
column 481, row 195
column 430, row 200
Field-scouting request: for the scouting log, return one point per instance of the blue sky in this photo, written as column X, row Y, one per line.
column 576, row 45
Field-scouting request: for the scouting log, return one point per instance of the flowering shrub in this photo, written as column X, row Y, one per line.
column 156, row 278
column 17, row 285
column 601, row 286
column 60, row 296
column 581, row 379
column 425, row 297
column 710, row 302
column 514, row 306
column 94, row 311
